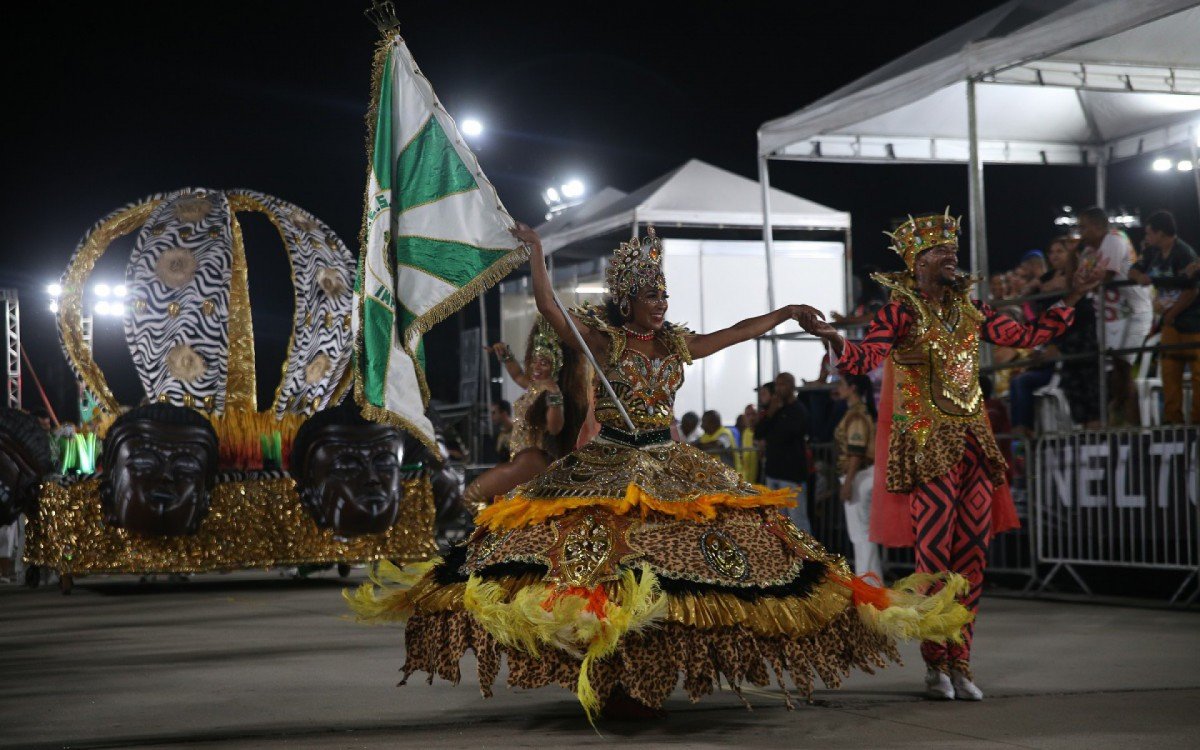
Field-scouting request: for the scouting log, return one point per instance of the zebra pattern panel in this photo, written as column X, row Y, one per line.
column 177, row 305
column 323, row 271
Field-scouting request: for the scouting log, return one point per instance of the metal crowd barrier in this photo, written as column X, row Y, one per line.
column 1118, row 498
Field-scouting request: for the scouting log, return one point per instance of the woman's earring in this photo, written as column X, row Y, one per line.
column 624, row 308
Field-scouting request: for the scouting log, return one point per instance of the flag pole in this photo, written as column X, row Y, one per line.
column 587, row 352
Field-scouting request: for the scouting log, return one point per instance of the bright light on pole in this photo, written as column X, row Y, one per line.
column 552, row 196
column 53, row 305
column 54, row 290
column 472, row 128
column 116, row 308
column 1185, row 166
column 119, row 291
column 102, row 290
column 573, row 189
column 1161, row 165
column 101, row 308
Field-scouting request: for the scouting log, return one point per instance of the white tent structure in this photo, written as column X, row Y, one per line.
column 1083, row 82
column 718, row 273
column 696, row 194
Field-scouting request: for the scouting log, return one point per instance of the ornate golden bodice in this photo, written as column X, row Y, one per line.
column 937, row 366
column 646, row 386
column 937, row 404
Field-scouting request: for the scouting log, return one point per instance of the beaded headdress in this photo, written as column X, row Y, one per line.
column 915, row 236
column 636, row 265
column 545, row 344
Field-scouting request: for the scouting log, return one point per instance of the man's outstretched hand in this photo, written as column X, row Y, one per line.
column 813, row 321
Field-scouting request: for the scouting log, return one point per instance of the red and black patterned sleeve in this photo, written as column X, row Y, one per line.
column 1004, row 331
column 889, row 326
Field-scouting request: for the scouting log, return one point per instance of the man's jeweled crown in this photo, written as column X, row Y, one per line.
column 636, row 265
column 915, row 236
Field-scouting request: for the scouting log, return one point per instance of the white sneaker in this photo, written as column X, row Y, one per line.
column 964, row 689
column 938, row 686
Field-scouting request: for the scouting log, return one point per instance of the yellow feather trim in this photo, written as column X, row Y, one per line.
column 392, row 593
column 539, row 615
column 913, row 615
column 517, row 512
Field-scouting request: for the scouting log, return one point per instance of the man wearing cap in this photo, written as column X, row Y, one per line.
column 945, row 492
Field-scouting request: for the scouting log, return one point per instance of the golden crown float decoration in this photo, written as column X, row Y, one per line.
column 196, row 478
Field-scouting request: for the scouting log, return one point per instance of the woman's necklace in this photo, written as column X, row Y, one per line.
column 648, row 336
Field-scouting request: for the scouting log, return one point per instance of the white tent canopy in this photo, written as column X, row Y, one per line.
column 1054, row 82
column 696, row 194
column 1031, row 82
column 724, row 275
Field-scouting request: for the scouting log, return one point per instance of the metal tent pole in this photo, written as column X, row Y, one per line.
column 979, row 256
column 1101, row 179
column 849, row 255
column 1192, row 135
column 977, row 210
column 764, row 181
column 485, row 423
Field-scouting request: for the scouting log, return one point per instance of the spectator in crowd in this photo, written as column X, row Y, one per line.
column 502, row 423
column 1077, row 377
column 998, row 286
column 766, row 392
column 1031, row 268
column 817, row 399
column 718, row 440
column 784, row 428
column 689, row 427
column 748, row 454
column 1170, row 264
column 855, row 441
column 1127, row 311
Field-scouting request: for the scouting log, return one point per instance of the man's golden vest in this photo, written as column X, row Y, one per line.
column 937, row 402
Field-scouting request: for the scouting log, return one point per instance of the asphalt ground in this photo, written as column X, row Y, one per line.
column 254, row 660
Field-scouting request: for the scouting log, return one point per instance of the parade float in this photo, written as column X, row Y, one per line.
column 196, row 478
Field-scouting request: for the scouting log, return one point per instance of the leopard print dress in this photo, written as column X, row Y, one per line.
column 738, row 592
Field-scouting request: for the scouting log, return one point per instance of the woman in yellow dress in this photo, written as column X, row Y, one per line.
column 636, row 559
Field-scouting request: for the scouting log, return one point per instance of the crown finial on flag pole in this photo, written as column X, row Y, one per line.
column 383, row 14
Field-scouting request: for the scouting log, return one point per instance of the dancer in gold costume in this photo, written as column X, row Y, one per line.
column 546, row 418
column 943, row 491
column 635, row 559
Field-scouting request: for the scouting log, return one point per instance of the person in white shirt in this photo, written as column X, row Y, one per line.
column 1128, row 313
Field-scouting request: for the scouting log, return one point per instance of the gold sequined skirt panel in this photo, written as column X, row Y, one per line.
column 740, row 548
column 601, row 469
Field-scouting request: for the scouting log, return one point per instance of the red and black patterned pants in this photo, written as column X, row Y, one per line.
column 952, row 521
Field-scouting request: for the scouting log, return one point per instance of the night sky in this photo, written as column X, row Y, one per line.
column 110, row 102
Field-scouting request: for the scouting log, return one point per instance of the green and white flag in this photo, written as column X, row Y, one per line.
column 435, row 236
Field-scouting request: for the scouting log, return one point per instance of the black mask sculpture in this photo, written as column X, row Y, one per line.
column 347, row 471
column 160, row 470
column 24, row 460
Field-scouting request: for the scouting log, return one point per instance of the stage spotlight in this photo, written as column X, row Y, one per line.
column 472, row 128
